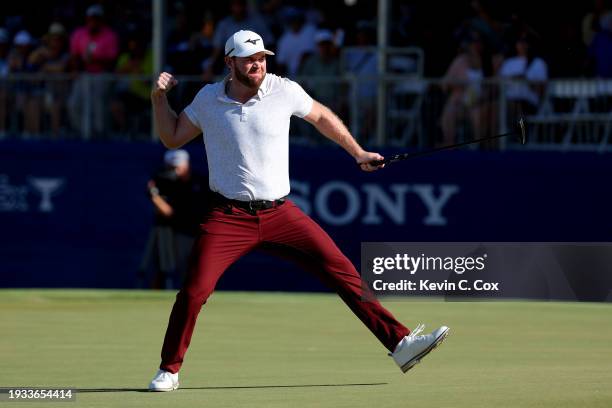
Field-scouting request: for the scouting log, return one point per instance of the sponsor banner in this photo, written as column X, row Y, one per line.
column 76, row 214
column 534, row 270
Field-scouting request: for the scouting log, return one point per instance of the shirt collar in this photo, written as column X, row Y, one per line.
column 263, row 90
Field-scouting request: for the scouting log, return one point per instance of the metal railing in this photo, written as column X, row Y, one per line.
column 419, row 113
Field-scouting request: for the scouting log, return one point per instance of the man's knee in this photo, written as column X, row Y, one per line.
column 192, row 297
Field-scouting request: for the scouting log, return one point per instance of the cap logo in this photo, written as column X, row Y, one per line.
column 254, row 42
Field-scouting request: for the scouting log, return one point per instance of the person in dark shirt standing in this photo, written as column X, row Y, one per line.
column 178, row 197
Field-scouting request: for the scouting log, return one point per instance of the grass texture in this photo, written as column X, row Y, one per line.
column 253, row 349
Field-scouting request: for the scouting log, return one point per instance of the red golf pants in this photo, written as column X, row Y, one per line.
column 229, row 232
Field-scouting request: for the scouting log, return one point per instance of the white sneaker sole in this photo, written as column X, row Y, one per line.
column 174, row 387
column 417, row 359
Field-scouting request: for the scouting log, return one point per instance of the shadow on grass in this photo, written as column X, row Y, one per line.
column 237, row 387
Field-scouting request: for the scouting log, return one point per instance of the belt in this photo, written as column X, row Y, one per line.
column 251, row 206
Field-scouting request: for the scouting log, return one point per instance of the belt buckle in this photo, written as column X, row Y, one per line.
column 257, row 205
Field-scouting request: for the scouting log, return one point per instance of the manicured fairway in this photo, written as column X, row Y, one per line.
column 304, row 350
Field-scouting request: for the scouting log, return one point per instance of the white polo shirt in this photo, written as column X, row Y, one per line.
column 247, row 144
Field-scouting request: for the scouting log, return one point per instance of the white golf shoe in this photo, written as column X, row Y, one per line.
column 164, row 381
column 412, row 348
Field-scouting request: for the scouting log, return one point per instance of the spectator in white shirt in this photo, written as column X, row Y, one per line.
column 297, row 41
column 240, row 18
column 530, row 73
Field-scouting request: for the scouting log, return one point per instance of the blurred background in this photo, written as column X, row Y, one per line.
column 77, row 148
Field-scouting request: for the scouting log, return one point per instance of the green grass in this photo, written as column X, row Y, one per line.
column 304, row 350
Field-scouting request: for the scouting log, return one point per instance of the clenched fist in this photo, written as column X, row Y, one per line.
column 164, row 83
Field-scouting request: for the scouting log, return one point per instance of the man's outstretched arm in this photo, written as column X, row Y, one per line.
column 331, row 126
column 174, row 131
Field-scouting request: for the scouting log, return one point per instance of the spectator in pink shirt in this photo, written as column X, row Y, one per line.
column 94, row 49
column 95, row 46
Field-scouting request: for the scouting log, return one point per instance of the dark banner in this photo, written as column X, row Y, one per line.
column 76, row 214
column 485, row 270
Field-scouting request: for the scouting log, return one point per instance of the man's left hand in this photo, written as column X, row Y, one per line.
column 364, row 159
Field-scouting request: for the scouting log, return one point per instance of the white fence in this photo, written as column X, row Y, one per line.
column 571, row 114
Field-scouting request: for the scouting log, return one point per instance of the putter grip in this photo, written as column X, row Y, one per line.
column 377, row 162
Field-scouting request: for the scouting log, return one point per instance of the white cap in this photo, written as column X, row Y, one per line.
column 244, row 43
column 176, row 157
column 22, row 38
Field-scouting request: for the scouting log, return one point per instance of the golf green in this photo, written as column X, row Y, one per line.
column 253, row 349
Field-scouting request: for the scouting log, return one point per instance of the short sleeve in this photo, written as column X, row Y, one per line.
column 300, row 101
column 194, row 108
column 193, row 117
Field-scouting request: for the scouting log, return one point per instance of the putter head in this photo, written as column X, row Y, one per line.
column 522, row 131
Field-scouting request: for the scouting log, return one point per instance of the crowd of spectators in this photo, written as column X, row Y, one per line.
column 473, row 40
column 61, row 98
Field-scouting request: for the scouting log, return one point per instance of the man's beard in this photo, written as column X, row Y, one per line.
column 247, row 81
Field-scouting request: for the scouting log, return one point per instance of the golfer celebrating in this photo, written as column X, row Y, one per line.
column 244, row 120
